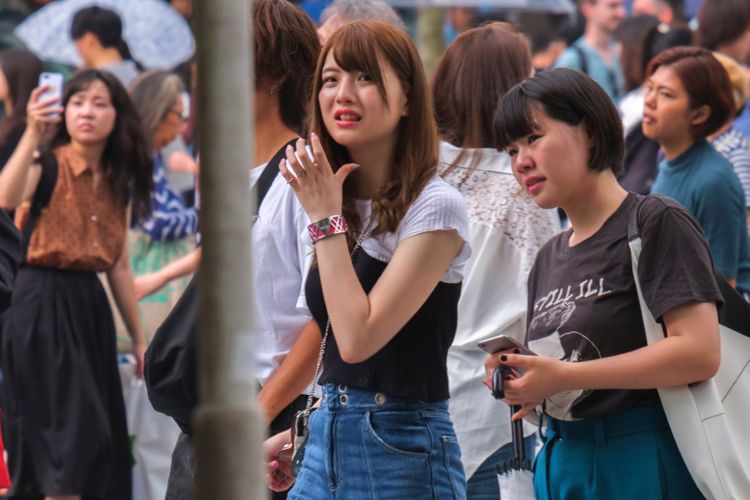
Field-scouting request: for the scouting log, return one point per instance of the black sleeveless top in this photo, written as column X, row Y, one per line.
column 413, row 364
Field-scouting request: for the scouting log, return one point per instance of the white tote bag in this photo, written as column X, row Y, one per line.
column 710, row 420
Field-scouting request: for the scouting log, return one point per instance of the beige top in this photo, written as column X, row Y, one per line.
column 81, row 228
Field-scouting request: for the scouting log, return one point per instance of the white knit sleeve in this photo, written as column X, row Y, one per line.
column 439, row 207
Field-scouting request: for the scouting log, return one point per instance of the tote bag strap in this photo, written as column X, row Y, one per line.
column 695, row 413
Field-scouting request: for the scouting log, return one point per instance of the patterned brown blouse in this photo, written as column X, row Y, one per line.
column 81, row 229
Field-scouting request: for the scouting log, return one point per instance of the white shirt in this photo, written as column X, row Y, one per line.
column 438, row 207
column 281, row 257
column 506, row 230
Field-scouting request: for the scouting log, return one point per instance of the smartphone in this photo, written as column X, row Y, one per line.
column 502, row 343
column 54, row 83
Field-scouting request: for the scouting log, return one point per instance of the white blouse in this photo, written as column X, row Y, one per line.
column 439, row 207
column 506, row 230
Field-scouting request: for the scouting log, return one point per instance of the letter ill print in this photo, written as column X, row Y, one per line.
column 551, row 314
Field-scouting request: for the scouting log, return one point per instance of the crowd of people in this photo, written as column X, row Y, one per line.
column 402, row 218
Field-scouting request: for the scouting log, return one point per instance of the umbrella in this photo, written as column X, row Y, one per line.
column 157, row 35
column 514, row 475
column 557, row 6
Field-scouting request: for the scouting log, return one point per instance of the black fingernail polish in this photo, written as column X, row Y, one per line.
column 517, row 351
column 503, row 358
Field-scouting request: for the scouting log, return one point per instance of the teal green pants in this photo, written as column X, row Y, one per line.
column 627, row 455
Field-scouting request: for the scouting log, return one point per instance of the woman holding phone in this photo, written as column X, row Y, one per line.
column 594, row 376
column 67, row 435
column 390, row 243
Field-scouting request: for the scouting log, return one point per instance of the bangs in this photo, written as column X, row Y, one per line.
column 514, row 117
column 356, row 47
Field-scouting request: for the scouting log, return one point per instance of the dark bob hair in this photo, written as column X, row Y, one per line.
column 568, row 96
column 126, row 162
column 706, row 82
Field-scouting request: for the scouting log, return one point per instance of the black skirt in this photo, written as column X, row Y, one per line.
column 64, row 416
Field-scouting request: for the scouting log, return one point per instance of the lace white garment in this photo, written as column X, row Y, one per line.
column 506, row 230
column 494, row 198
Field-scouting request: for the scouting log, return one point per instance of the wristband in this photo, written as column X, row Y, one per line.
column 330, row 226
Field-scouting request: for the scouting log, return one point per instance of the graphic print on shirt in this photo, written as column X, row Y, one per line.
column 551, row 312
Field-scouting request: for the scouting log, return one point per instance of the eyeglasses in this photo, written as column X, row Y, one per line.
column 179, row 115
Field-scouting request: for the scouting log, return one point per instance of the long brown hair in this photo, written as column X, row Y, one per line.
column 21, row 69
column 126, row 162
column 365, row 46
column 478, row 68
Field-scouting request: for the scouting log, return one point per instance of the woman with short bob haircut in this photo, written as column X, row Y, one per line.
column 385, row 291
column 507, row 230
column 688, row 98
column 594, row 376
column 61, row 389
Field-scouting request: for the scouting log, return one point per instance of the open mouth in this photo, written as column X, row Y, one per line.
column 347, row 116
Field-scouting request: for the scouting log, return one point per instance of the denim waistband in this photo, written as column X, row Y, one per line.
column 648, row 418
column 340, row 397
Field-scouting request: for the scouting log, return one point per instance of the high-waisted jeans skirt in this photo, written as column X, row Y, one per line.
column 368, row 445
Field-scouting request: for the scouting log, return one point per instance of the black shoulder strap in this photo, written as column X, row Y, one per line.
column 582, row 59
column 269, row 174
column 42, row 195
column 735, row 313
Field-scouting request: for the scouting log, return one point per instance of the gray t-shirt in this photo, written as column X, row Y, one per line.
column 583, row 304
column 125, row 71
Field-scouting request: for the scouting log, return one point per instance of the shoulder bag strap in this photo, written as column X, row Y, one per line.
column 268, row 175
column 42, row 195
column 735, row 314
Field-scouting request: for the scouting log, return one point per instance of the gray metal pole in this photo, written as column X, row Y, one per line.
column 229, row 427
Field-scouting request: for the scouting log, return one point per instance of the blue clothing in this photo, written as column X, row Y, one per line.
column 364, row 444
column 625, row 455
column 742, row 120
column 170, row 218
column 735, row 147
column 704, row 182
column 609, row 77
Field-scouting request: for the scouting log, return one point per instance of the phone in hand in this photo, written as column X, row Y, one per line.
column 503, row 343
column 54, row 83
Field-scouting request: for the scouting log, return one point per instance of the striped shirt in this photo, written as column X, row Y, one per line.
column 735, row 147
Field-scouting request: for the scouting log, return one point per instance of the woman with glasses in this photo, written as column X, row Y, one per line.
column 167, row 234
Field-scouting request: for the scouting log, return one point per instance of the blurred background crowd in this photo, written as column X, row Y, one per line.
column 148, row 45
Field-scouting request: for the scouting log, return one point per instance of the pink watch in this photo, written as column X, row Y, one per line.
column 329, row 226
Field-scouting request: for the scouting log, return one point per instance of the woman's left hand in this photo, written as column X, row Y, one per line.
column 318, row 188
column 542, row 377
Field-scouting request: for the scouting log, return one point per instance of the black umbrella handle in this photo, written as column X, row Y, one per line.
column 519, row 451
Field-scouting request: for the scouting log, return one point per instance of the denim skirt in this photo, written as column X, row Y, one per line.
column 365, row 444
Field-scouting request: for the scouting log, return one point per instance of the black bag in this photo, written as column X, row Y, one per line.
column 171, row 364
column 42, row 195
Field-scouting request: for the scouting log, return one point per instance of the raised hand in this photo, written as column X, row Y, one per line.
column 41, row 115
column 318, row 188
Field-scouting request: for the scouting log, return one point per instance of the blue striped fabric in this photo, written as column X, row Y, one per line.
column 170, row 218
column 735, row 147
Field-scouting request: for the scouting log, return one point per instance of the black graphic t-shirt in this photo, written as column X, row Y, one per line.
column 583, row 304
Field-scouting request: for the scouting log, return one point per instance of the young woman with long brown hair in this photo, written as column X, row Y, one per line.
column 383, row 428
